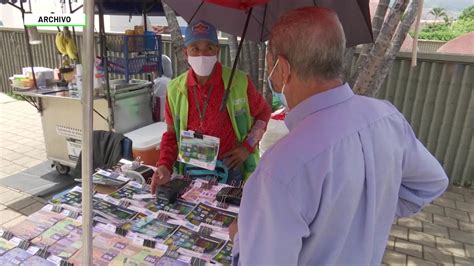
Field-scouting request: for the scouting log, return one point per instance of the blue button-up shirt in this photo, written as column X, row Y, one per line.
column 327, row 193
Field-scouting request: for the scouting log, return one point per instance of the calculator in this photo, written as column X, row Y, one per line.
column 171, row 190
column 230, row 195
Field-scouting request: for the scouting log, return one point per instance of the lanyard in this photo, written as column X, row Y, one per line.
column 205, row 104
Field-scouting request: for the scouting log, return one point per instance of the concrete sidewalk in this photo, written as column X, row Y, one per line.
column 21, row 147
column 443, row 233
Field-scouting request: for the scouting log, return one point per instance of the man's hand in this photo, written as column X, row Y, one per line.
column 236, row 157
column 233, row 229
column 161, row 176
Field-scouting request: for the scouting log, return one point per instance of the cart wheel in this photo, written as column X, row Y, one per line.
column 62, row 169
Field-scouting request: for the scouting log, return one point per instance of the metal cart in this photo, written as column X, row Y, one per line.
column 122, row 109
column 61, row 117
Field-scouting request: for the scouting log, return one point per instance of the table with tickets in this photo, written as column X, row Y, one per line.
column 131, row 227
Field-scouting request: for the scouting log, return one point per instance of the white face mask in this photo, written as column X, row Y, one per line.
column 202, row 65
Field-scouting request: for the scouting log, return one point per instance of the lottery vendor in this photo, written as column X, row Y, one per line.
column 201, row 140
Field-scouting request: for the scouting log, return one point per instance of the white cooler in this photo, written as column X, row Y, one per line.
column 146, row 142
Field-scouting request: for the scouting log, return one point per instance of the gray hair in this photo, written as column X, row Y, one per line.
column 312, row 40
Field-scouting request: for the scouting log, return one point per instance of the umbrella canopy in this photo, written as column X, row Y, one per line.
column 131, row 7
column 230, row 15
column 238, row 4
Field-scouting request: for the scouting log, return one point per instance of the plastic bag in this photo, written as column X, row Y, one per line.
column 276, row 129
column 159, row 91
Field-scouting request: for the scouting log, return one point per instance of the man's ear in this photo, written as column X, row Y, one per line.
column 285, row 69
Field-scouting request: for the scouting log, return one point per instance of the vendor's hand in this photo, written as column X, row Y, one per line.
column 161, row 176
column 236, row 157
column 233, row 229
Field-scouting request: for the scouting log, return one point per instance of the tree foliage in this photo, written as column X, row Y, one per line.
column 438, row 12
column 450, row 29
column 467, row 14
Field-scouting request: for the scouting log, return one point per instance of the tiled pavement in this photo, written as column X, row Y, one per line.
column 21, row 147
column 443, row 233
column 21, row 136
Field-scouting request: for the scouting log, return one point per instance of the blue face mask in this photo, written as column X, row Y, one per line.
column 279, row 95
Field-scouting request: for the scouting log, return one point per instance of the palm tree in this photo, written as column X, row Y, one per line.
column 253, row 46
column 448, row 20
column 377, row 23
column 176, row 40
column 233, row 45
column 372, row 72
column 364, row 83
column 397, row 41
column 438, row 12
column 246, row 59
column 261, row 67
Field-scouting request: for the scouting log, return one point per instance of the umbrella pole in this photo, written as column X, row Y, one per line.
column 87, row 136
column 234, row 66
column 28, row 46
column 197, row 10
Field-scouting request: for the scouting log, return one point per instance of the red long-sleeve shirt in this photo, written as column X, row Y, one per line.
column 215, row 123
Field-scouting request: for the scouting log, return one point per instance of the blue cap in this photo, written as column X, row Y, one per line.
column 200, row 30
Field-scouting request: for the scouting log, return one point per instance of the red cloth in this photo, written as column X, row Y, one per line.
column 215, row 123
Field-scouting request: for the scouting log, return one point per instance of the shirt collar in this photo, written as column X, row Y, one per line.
column 317, row 103
column 214, row 79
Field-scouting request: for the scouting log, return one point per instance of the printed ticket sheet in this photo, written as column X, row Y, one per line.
column 14, row 257
column 154, row 228
column 198, row 150
column 28, row 229
column 209, row 215
column 192, row 240
column 55, row 233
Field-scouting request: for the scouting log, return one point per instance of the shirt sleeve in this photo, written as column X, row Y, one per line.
column 270, row 224
column 261, row 112
column 423, row 178
column 168, row 145
column 235, row 250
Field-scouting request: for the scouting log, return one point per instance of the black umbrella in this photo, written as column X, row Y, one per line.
column 253, row 19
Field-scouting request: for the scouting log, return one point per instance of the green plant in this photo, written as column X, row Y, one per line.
column 450, row 29
column 438, row 12
column 467, row 14
column 448, row 20
column 463, row 26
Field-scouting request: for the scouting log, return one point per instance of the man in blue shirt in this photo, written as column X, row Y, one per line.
column 328, row 192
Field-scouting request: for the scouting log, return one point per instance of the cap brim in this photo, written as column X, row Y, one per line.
column 199, row 39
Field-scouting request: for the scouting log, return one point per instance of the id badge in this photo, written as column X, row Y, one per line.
column 198, row 150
